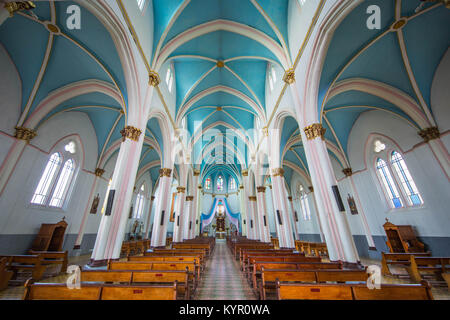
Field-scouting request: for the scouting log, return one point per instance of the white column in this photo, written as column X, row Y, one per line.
column 179, row 215
column 296, row 236
column 193, row 205
column 285, row 237
column 262, row 214
column 199, row 211
column 243, row 211
column 312, row 195
column 149, row 217
column 271, row 207
column 254, row 221
column 162, row 207
column 334, row 223
column 187, row 221
column 112, row 227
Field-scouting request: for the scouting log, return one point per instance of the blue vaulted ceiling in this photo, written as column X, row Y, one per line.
column 239, row 95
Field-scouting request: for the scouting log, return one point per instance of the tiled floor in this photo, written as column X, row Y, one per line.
column 222, row 279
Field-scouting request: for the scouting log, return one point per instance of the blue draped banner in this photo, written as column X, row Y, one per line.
column 206, row 219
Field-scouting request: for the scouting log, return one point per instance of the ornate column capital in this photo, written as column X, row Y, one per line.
column 311, row 189
column 131, row 133
column 289, row 76
column 165, row 172
column 244, row 172
column 261, row 189
column 196, row 172
column 290, row 198
column 265, row 131
column 430, row 133
column 99, row 172
column 347, row 171
column 314, row 130
column 153, row 79
column 15, row 6
column 270, row 186
column 26, row 134
column 181, row 189
column 241, row 187
column 252, row 198
column 200, row 187
column 152, row 198
column 277, row 172
column 189, row 198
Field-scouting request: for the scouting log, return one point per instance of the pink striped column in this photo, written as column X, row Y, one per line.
column 162, row 208
column 263, row 222
column 180, row 214
column 149, row 217
column 293, row 218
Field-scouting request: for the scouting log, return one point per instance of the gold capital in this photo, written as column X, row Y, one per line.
column 241, row 187
column 181, row 189
column 290, row 198
column 26, row 134
column 311, row 189
column 347, row 171
column 265, row 131
column 252, row 198
column 277, row 172
column 99, row 172
column 196, row 172
column 261, row 189
column 189, row 198
column 153, row 78
column 131, row 133
column 315, row 130
column 15, row 6
column 244, row 172
column 289, row 76
column 165, row 172
column 200, row 187
column 152, row 198
column 430, row 133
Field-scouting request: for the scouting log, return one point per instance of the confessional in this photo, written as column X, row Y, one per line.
column 402, row 238
column 50, row 237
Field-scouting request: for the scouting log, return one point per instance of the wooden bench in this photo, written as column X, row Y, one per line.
column 201, row 254
column 435, row 265
column 282, row 258
column 60, row 291
column 30, row 263
column 269, row 277
column 326, row 291
column 256, row 270
column 5, row 274
column 53, row 258
column 399, row 259
column 243, row 256
column 149, row 276
column 205, row 246
column 195, row 259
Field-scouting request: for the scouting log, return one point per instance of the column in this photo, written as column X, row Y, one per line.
column 179, row 215
column 162, row 208
column 283, row 222
column 98, row 173
column 334, row 222
column 23, row 137
column 194, row 204
column 273, row 211
column 348, row 173
column 296, row 237
column 253, row 219
column 243, row 211
column 316, row 214
column 112, row 226
column 199, row 211
column 248, row 211
column 262, row 214
column 187, row 221
column 149, row 217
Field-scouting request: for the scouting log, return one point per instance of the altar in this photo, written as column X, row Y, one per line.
column 220, row 218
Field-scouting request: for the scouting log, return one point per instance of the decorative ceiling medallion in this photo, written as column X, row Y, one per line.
column 261, row 189
column 289, row 76
column 277, row 172
column 397, row 25
column 220, row 64
column 15, row 6
column 430, row 133
column 347, row 171
column 219, row 108
column 315, row 130
column 131, row 133
column 26, row 134
column 53, row 28
column 99, row 172
column 165, row 172
column 153, row 78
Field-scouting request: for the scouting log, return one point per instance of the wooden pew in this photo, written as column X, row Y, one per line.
column 156, row 265
column 269, row 277
column 243, row 256
column 427, row 265
column 60, row 291
column 164, row 258
column 135, row 277
column 256, row 270
column 399, row 259
column 53, row 257
column 251, row 260
column 32, row 263
column 5, row 274
column 239, row 247
column 205, row 246
column 326, row 291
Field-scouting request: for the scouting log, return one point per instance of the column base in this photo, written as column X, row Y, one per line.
column 372, row 248
column 100, row 263
column 351, row 265
column 76, row 247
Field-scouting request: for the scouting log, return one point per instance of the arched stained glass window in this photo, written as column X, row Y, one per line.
column 388, row 184
column 62, row 186
column 220, row 183
column 208, row 184
column 409, row 187
column 232, row 184
column 43, row 189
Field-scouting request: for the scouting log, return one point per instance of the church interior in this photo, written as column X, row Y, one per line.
column 225, row 150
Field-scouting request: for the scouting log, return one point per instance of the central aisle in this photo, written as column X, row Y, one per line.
column 222, row 279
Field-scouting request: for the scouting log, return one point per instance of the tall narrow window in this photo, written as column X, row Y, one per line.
column 208, row 184
column 62, row 186
column 306, row 212
column 220, row 183
column 388, row 184
column 272, row 77
column 169, row 78
column 139, row 208
column 409, row 187
column 232, row 184
column 106, row 196
column 43, row 189
column 141, row 4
